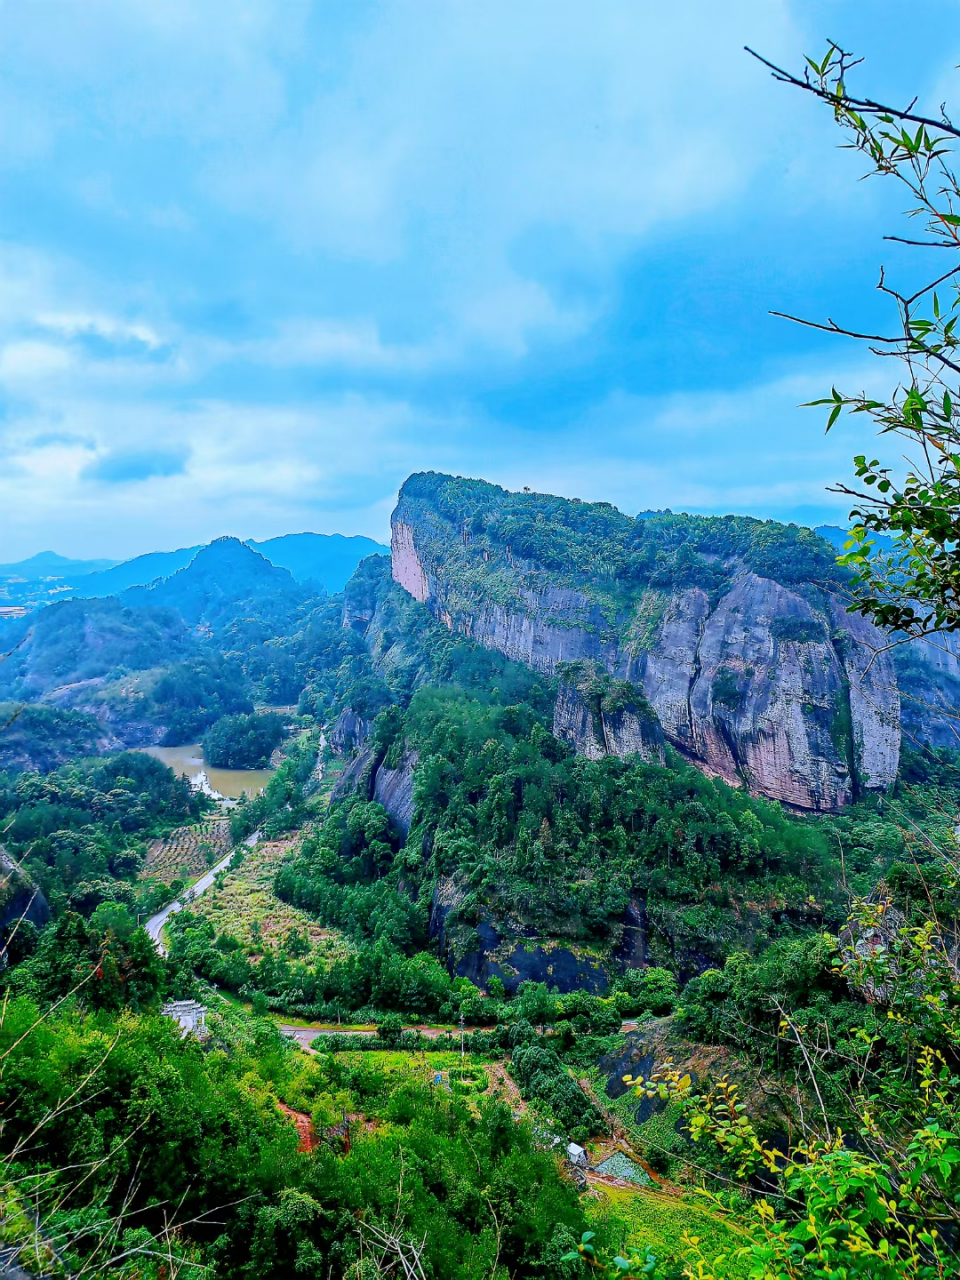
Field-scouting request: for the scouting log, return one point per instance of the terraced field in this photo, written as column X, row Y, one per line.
column 187, row 852
column 245, row 906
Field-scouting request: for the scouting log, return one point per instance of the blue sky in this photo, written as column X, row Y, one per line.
column 259, row 261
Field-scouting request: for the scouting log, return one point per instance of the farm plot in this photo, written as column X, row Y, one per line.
column 187, row 852
column 242, row 903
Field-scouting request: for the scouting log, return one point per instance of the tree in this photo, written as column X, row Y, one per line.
column 913, row 586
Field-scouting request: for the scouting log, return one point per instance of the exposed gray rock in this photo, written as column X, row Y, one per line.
column 774, row 688
column 122, row 726
column 583, row 717
column 349, row 732
column 573, row 722
column 393, row 788
column 356, row 777
column 875, row 709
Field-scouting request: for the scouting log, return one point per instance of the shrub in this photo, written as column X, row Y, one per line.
column 242, row 741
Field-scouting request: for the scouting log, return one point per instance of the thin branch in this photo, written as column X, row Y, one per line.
column 861, row 104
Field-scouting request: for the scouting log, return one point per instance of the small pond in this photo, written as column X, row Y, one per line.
column 229, row 784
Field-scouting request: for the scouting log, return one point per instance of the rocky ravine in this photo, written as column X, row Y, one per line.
column 760, row 686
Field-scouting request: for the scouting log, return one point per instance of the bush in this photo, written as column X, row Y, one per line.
column 651, row 990
column 243, row 741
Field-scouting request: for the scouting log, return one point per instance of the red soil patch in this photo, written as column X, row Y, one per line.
column 304, row 1125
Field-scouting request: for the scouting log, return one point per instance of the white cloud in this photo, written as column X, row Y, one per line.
column 29, row 361
column 439, row 172
column 113, row 329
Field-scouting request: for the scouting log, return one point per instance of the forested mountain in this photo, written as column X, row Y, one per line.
column 324, row 561
column 138, row 572
column 534, row 786
column 733, row 631
column 50, row 564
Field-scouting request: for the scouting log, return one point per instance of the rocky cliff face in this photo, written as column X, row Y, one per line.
column 393, row 788
column 768, row 685
column 928, row 673
column 599, row 721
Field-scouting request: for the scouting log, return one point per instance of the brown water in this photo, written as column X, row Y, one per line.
column 188, row 762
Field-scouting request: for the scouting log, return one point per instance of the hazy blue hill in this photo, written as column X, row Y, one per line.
column 218, row 578
column 139, row 572
column 48, row 564
column 77, row 640
column 327, row 558
column 837, row 537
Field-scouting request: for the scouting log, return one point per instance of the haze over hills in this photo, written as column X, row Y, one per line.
column 325, row 560
column 726, row 634
column 219, row 576
column 837, row 537
column 50, row 564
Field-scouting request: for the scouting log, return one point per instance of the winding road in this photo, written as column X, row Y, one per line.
column 154, row 926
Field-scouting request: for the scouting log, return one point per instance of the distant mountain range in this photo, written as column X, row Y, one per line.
column 320, row 559
column 46, row 564
column 837, row 537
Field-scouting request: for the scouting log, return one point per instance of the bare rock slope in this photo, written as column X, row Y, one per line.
column 722, row 640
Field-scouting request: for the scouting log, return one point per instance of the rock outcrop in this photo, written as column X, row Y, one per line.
column 20, row 899
column 349, row 732
column 599, row 720
column 116, row 704
column 767, row 684
column 393, row 788
column 495, row 950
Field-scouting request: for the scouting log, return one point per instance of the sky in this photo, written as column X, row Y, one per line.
column 262, row 259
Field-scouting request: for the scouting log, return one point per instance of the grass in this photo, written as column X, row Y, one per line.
column 663, row 1221
column 245, row 906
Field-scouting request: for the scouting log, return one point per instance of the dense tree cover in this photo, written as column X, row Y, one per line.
column 224, row 581
column 575, row 540
column 41, row 738
column 404, row 648
column 282, row 806
column 107, row 962
column 161, row 1129
column 860, row 1034
column 374, row 979
column 565, row 842
column 80, row 639
column 192, row 695
column 542, row 1076
column 79, row 830
column 243, row 741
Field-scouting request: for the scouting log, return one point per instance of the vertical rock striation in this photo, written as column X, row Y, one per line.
column 768, row 685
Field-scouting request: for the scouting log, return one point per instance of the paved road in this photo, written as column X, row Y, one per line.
column 154, row 925
column 305, row 1036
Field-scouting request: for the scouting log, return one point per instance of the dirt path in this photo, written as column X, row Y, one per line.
column 304, row 1125
column 502, row 1082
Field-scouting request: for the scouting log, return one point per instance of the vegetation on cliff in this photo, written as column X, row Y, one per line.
column 528, row 540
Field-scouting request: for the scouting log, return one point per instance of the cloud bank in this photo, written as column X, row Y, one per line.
column 259, row 261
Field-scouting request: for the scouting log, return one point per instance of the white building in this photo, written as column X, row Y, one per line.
column 577, row 1155
column 190, row 1015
